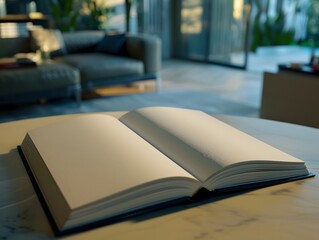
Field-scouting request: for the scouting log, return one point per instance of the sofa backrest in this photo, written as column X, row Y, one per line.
column 82, row 41
column 10, row 46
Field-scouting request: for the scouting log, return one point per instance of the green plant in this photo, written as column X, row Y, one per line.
column 96, row 16
column 64, row 15
column 313, row 22
column 269, row 31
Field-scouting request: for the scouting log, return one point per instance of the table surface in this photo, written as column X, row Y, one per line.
column 285, row 211
column 22, row 18
column 301, row 69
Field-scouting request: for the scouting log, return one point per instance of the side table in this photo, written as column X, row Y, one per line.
column 291, row 96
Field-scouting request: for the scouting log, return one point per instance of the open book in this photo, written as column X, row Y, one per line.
column 93, row 167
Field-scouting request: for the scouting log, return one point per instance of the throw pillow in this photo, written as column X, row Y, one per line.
column 113, row 44
column 46, row 40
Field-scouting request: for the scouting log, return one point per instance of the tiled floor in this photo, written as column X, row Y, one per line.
column 244, row 86
column 235, row 84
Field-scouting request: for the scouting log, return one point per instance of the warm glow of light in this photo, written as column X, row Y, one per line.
column 9, row 30
column 109, row 3
column 192, row 13
column 192, row 20
column 35, row 15
column 238, row 7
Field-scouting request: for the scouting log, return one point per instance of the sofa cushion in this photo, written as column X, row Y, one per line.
column 99, row 66
column 48, row 40
column 82, row 41
column 46, row 76
column 112, row 44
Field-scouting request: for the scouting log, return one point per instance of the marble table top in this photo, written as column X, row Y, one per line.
column 285, row 211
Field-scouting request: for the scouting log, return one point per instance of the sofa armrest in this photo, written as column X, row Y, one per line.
column 146, row 48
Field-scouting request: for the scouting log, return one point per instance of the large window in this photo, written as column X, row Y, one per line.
column 213, row 31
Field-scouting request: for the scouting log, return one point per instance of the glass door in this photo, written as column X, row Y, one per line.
column 191, row 33
column 214, row 31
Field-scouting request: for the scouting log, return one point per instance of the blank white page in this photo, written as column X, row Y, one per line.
column 199, row 142
column 94, row 156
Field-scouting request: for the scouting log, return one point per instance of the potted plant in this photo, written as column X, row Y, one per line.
column 64, row 14
column 268, row 30
column 95, row 16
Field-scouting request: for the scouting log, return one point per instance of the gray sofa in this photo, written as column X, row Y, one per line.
column 79, row 66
